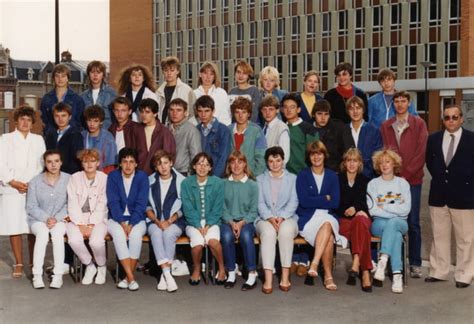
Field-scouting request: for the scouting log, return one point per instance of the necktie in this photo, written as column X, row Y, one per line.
column 449, row 155
column 265, row 129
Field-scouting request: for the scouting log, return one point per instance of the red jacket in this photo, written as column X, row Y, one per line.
column 412, row 146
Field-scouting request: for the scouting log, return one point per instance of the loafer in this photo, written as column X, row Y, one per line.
column 246, row 286
column 229, row 284
column 352, row 278
column 193, row 282
column 461, row 284
column 432, row 279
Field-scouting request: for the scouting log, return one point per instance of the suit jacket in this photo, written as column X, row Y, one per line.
column 451, row 185
column 130, row 131
column 69, row 145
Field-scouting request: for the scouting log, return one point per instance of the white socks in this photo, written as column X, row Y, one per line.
column 231, row 277
column 251, row 279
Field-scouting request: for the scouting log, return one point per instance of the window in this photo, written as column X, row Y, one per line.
column 169, row 41
column 267, row 30
column 454, row 8
column 373, row 63
column 410, row 58
column 225, row 5
column 253, row 32
column 342, row 23
column 377, row 19
column 451, row 58
column 431, row 53
column 190, row 40
column 396, row 17
column 179, row 40
column 359, row 20
column 310, row 26
column 190, row 8
column 200, row 4
column 202, row 39
column 214, row 36
column 226, row 36
column 240, row 33
column 295, row 27
column 415, row 14
column 392, row 55
column 435, row 12
column 280, row 29
column 326, row 21
column 357, row 64
column 167, row 8
column 308, row 62
column 237, row 4
column 212, row 5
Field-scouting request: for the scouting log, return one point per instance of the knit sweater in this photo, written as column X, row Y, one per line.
column 253, row 147
column 240, row 201
column 188, row 144
column 392, row 195
column 301, row 134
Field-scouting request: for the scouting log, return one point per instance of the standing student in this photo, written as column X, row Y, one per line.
column 243, row 74
column 389, row 202
column 136, row 83
column 277, row 203
column 210, row 84
column 61, row 93
column 407, row 135
column 20, row 161
column 301, row 133
column 127, row 190
column 381, row 106
column 123, row 129
column 203, row 198
column 276, row 132
column 239, row 213
column 172, row 88
column 450, row 161
column 97, row 137
column 269, row 82
column 215, row 136
column 66, row 138
column 99, row 92
column 186, row 136
column 166, row 221
column 248, row 137
column 87, row 209
column 309, row 96
column 344, row 90
column 318, row 195
column 46, row 204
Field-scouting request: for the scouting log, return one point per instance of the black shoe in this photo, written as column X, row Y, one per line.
column 461, row 284
column 377, row 283
column 193, row 282
column 309, row 281
column 229, row 284
column 220, row 282
column 246, row 286
column 367, row 289
column 432, row 279
column 352, row 278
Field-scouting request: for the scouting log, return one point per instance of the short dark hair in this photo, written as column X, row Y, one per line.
column 62, row 106
column 403, row 94
column 241, row 103
column 205, row 101
column 200, row 156
column 94, row 111
column 386, row 73
column 179, row 102
column 24, row 110
column 291, row 96
column 321, row 105
column 52, row 152
column 157, row 157
column 121, row 101
column 274, row 151
column 126, row 152
column 150, row 104
column 269, row 101
column 344, row 66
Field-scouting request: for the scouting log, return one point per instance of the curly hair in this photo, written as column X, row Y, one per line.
column 391, row 154
column 123, row 81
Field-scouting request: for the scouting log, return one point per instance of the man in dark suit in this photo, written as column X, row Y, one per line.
column 450, row 160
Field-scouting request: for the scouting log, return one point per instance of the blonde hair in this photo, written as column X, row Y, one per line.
column 213, row 67
column 316, row 147
column 391, row 154
column 351, row 154
column 237, row 156
column 272, row 72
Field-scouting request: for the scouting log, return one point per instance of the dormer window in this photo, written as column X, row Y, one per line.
column 30, row 73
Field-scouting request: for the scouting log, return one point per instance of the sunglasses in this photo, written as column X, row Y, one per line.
column 451, row 117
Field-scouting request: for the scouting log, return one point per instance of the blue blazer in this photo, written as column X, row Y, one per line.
column 451, row 185
column 310, row 199
column 217, row 145
column 370, row 140
column 136, row 201
column 287, row 201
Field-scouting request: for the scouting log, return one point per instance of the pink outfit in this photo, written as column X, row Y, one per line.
column 79, row 190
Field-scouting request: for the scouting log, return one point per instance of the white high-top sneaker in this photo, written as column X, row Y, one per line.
column 380, row 271
column 57, row 282
column 91, row 270
column 170, row 283
column 162, row 284
column 38, row 282
column 397, row 284
column 101, row 275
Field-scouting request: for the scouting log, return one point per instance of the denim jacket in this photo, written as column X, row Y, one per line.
column 217, row 144
column 106, row 95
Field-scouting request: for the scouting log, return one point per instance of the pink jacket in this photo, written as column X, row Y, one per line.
column 412, row 146
column 78, row 190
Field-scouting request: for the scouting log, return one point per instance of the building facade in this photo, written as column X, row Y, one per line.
column 297, row 36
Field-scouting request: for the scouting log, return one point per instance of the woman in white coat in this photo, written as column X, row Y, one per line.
column 20, row 160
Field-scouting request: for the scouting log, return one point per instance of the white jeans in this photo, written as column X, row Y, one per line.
column 196, row 238
column 164, row 242
column 41, row 231
column 135, row 239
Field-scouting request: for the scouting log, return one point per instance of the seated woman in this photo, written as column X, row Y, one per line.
column 87, row 208
column 46, row 205
column 389, row 201
column 277, row 203
column 240, row 212
column 353, row 214
column 166, row 223
column 127, row 191
column 318, row 195
column 203, row 198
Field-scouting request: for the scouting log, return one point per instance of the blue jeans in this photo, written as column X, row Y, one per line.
column 247, row 233
column 414, row 230
column 391, row 230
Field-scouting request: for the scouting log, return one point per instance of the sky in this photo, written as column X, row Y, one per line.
column 27, row 29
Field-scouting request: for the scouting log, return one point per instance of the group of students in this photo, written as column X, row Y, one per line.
column 218, row 167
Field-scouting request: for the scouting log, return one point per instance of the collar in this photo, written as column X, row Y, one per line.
column 361, row 124
column 296, row 123
column 456, row 134
column 273, row 122
column 243, row 180
column 234, row 131
column 276, row 177
column 209, row 125
column 64, row 130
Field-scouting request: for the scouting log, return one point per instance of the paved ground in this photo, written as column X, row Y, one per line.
column 420, row 303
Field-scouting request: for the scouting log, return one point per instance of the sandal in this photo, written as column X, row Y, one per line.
column 17, row 271
column 313, row 270
column 329, row 284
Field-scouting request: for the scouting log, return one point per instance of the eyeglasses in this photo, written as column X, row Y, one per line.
column 451, row 117
column 292, row 107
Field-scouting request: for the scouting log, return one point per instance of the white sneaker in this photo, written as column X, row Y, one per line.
column 38, row 282
column 380, row 271
column 57, row 282
column 170, row 283
column 91, row 270
column 374, row 267
column 179, row 268
column 133, row 286
column 162, row 284
column 397, row 284
column 101, row 275
column 123, row 284
column 67, row 268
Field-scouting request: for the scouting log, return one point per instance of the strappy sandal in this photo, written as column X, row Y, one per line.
column 329, row 284
column 17, row 271
column 313, row 271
